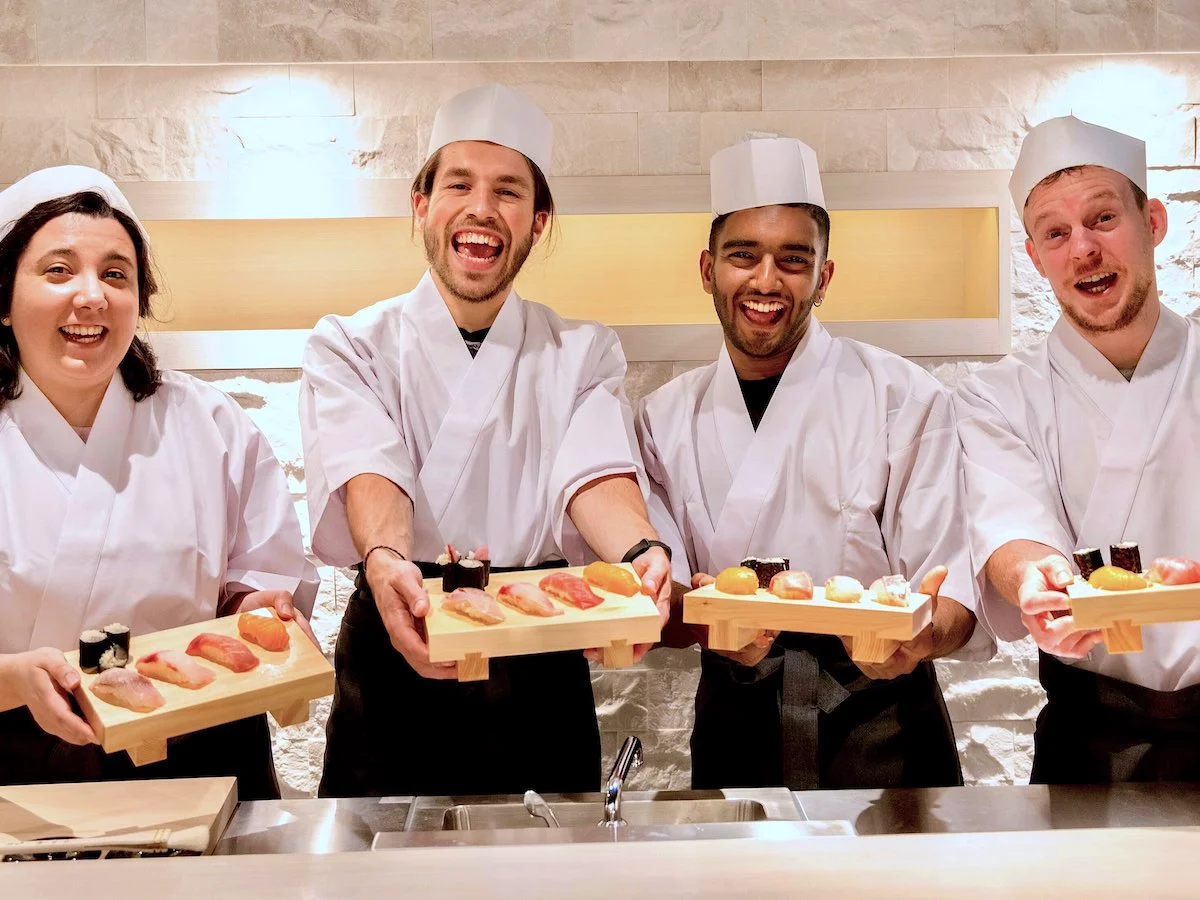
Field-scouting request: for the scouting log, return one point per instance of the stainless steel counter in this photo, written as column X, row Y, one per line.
column 332, row 826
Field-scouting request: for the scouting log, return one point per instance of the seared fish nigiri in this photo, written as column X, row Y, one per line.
column 1175, row 570
column 792, row 586
column 223, row 650
column 570, row 589
column 609, row 577
column 127, row 689
column 265, row 628
column 475, row 604
column 174, row 667
column 527, row 598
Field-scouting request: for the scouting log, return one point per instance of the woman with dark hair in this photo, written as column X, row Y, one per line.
column 129, row 494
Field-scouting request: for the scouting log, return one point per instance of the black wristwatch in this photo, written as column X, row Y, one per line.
column 642, row 546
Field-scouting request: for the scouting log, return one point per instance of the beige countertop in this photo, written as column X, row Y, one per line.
column 1126, row 863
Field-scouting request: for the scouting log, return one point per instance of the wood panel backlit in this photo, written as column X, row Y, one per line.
column 626, row 269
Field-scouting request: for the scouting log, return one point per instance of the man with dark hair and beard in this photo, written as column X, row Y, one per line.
column 839, row 456
column 460, row 414
column 1086, row 440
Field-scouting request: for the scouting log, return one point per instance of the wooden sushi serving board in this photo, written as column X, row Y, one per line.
column 282, row 684
column 613, row 626
column 734, row 620
column 1120, row 614
column 102, row 810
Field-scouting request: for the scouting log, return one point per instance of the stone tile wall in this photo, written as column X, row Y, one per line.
column 200, row 90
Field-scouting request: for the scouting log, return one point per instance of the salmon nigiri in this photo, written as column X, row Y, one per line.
column 127, row 689
column 174, row 667
column 611, row 578
column 527, row 598
column 223, row 650
column 265, row 628
column 568, row 588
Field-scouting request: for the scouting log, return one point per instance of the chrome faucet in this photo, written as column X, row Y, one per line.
column 630, row 757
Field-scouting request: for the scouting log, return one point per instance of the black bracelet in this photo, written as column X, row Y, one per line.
column 642, row 546
column 367, row 556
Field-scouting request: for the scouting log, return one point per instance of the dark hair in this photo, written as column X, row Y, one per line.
column 543, row 201
column 139, row 368
column 1139, row 196
column 818, row 214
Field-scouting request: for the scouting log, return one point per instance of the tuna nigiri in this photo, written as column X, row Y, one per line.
column 611, row 578
column 174, row 667
column 1112, row 578
column 223, row 650
column 792, row 586
column 570, row 589
column 1175, row 570
column 477, row 605
column 527, row 598
column 265, row 628
column 127, row 689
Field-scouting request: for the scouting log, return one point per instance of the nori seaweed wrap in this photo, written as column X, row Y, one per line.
column 1126, row 556
column 767, row 568
column 1089, row 559
column 92, row 644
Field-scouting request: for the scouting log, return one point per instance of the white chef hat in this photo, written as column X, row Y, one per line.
column 497, row 114
column 764, row 171
column 55, row 182
column 1065, row 142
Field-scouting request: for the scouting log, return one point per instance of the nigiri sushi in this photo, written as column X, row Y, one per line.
column 223, row 650
column 1174, row 570
column 1114, row 578
column 737, row 580
column 527, row 598
column 891, row 590
column 843, row 589
column 127, row 689
column 570, row 589
column 265, row 628
column 477, row 605
column 174, row 667
column 792, row 586
column 611, row 578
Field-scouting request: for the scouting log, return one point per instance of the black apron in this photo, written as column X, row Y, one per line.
column 530, row 725
column 242, row 749
column 1100, row 730
column 807, row 718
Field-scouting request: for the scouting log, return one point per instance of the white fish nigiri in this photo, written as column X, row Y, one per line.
column 175, row 667
column 527, row 598
column 127, row 689
column 477, row 605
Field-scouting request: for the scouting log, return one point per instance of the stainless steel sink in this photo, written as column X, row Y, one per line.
column 474, row 816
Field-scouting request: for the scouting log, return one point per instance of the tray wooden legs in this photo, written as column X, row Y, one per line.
column 291, row 715
column 149, row 752
column 727, row 635
column 473, row 668
column 868, row 648
column 618, row 655
column 1123, row 637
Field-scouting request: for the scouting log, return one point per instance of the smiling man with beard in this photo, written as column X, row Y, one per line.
column 835, row 454
column 462, row 414
column 1086, row 440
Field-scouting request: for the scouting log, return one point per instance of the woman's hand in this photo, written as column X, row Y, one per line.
column 43, row 680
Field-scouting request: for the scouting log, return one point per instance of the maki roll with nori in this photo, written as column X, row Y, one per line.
column 118, row 636
column 1126, row 556
column 92, row 644
column 463, row 571
column 766, row 569
column 1089, row 560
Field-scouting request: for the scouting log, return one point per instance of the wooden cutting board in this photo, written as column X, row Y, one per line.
column 282, row 684
column 614, row 626
column 104, row 809
column 1120, row 614
column 735, row 620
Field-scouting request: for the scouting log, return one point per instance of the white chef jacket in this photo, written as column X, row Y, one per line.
column 854, row 470
column 1061, row 449
column 173, row 503
column 490, row 449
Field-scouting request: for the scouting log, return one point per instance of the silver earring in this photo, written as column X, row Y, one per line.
column 6, row 321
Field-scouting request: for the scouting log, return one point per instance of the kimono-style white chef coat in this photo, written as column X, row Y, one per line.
column 853, row 470
column 1061, row 449
column 490, row 449
column 173, row 504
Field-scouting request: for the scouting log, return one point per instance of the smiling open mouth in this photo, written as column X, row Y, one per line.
column 763, row 312
column 477, row 247
column 83, row 334
column 1096, row 284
